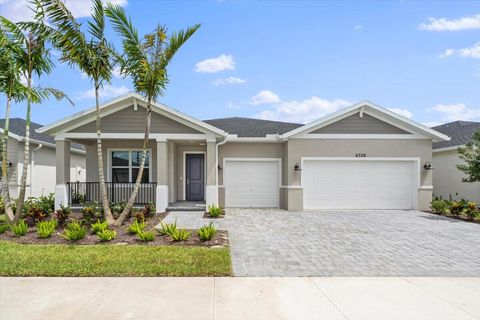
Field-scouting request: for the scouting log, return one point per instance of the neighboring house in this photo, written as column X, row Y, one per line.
column 361, row 157
column 447, row 179
column 41, row 171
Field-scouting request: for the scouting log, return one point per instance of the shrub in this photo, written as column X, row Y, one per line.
column 167, row 228
column 136, row 227
column 47, row 203
column 89, row 213
column 36, row 212
column 99, row 226
column 117, row 208
column 456, row 207
column 45, row 229
column 63, row 214
column 149, row 210
column 139, row 216
column 146, row 236
column 214, row 211
column 207, row 232
column 180, row 235
column 471, row 210
column 3, row 227
column 74, row 231
column 106, row 235
column 439, row 205
column 19, row 229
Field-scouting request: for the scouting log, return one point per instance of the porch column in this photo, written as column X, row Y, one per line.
column 211, row 195
column 162, row 176
column 62, row 152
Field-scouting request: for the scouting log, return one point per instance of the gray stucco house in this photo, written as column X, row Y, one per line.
column 447, row 179
column 361, row 157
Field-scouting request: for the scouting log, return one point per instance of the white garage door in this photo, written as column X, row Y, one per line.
column 251, row 183
column 358, row 184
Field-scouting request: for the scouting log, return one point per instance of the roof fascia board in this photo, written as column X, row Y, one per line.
column 452, row 148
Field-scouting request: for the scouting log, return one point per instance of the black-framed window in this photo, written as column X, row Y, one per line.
column 126, row 163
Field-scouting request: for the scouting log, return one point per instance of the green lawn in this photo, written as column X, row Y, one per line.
column 112, row 260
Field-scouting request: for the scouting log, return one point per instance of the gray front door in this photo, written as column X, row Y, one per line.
column 194, row 171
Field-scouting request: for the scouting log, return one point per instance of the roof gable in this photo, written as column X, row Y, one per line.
column 371, row 109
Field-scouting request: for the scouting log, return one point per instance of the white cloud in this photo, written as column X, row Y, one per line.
column 108, row 91
column 358, row 27
column 454, row 112
column 229, row 81
column 402, row 112
column 472, row 52
column 18, row 10
column 231, row 105
column 303, row 111
column 214, row 65
column 444, row 24
column 264, row 97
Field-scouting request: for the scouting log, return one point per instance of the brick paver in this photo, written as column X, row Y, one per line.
column 345, row 243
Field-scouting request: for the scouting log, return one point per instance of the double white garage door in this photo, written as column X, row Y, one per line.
column 327, row 184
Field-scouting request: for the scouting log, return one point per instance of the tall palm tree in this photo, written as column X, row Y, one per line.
column 145, row 61
column 92, row 56
column 31, row 57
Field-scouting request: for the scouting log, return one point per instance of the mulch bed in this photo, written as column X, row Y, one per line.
column 451, row 216
column 123, row 237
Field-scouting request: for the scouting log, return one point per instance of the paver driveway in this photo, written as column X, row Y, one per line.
column 345, row 243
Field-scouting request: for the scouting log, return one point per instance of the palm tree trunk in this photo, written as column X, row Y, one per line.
column 26, row 159
column 5, row 192
column 101, row 176
column 131, row 200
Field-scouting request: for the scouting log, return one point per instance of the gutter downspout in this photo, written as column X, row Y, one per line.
column 216, row 158
column 32, row 165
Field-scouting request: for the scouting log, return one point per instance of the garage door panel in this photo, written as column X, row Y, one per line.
column 358, row 184
column 251, row 183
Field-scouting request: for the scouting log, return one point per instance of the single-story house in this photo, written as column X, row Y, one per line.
column 447, row 179
column 41, row 170
column 361, row 157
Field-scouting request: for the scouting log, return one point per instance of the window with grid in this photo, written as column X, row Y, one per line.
column 126, row 163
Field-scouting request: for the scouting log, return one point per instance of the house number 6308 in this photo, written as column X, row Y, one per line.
column 360, row 155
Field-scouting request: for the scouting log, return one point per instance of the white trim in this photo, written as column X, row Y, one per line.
column 61, row 196
column 278, row 160
column 89, row 116
column 397, row 120
column 184, row 179
column 119, row 135
column 416, row 184
column 452, row 148
column 270, row 138
column 291, row 187
column 425, row 188
column 109, row 162
column 359, row 136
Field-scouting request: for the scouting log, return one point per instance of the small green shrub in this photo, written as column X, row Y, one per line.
column 471, row 210
column 139, row 216
column 106, row 235
column 19, row 229
column 439, row 206
column 90, row 213
column 63, row 214
column 3, row 227
column 207, row 232
column 180, row 235
column 168, row 228
column 74, row 231
column 99, row 226
column 456, row 207
column 136, row 227
column 149, row 210
column 214, row 211
column 117, row 208
column 146, row 236
column 45, row 229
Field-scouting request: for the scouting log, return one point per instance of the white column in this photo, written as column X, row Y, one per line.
column 62, row 152
column 162, row 176
column 211, row 194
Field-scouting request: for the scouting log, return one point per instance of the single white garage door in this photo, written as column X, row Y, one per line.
column 251, row 183
column 358, row 184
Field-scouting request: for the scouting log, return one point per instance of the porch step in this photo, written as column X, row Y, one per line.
column 187, row 206
column 201, row 209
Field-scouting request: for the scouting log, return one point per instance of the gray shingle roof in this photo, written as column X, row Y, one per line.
column 247, row 127
column 461, row 132
column 17, row 126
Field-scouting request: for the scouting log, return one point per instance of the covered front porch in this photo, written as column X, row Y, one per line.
column 177, row 172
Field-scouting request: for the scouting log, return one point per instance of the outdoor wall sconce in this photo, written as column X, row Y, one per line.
column 220, row 168
column 9, row 164
column 297, row 167
column 427, row 166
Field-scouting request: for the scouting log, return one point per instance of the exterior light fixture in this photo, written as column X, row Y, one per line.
column 427, row 166
column 297, row 167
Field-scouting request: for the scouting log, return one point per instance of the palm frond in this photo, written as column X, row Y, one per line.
column 97, row 27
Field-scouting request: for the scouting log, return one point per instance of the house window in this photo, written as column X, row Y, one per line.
column 126, row 163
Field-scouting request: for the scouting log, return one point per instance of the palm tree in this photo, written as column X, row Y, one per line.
column 31, row 57
column 145, row 61
column 92, row 56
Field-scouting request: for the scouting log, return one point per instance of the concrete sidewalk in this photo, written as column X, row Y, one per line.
column 239, row 298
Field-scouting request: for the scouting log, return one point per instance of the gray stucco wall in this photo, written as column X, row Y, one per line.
column 447, row 179
column 360, row 125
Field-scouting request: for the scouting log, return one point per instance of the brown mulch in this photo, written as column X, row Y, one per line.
column 452, row 216
column 123, row 237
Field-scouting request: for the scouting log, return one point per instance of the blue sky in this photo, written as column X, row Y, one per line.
column 297, row 61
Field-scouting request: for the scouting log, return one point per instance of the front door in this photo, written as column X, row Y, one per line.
column 194, row 171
